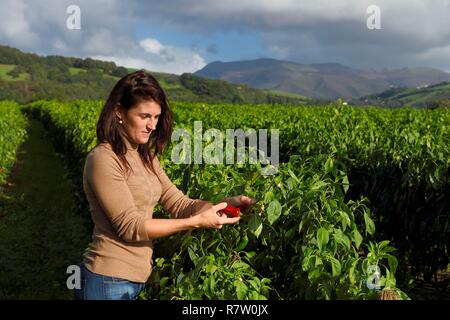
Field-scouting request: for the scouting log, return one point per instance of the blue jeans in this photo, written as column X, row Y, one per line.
column 99, row 287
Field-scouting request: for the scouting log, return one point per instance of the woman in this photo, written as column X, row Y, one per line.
column 123, row 181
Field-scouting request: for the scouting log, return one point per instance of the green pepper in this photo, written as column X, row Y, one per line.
column 242, row 244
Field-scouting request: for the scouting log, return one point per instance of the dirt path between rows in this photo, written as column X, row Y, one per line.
column 40, row 233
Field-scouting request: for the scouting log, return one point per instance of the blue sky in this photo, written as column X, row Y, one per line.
column 177, row 36
column 227, row 45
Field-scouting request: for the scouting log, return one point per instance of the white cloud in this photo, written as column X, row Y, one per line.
column 106, row 33
column 127, row 62
column 40, row 26
column 152, row 45
column 100, row 41
column 286, row 13
column 278, row 51
column 59, row 45
column 413, row 31
column 438, row 54
column 154, row 56
column 14, row 27
column 336, row 30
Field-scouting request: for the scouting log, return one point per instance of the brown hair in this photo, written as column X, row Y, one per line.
column 128, row 91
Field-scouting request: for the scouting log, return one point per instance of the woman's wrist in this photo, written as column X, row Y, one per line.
column 193, row 222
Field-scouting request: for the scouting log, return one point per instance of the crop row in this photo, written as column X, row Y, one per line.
column 13, row 126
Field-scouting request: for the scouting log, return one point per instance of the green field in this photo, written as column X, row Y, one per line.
column 5, row 68
column 355, row 187
column 417, row 97
column 287, row 94
column 74, row 71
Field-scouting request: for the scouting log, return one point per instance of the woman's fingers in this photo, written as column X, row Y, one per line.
column 247, row 200
column 244, row 200
column 223, row 219
column 245, row 203
column 219, row 206
column 240, row 201
column 229, row 220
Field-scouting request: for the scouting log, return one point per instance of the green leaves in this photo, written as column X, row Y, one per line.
column 322, row 238
column 345, row 183
column 342, row 239
column 335, row 267
column 392, row 263
column 370, row 226
column 241, row 289
column 273, row 211
column 255, row 225
column 357, row 238
column 345, row 219
column 13, row 126
column 329, row 165
column 318, row 185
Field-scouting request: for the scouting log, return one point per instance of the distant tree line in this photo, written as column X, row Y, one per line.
column 50, row 77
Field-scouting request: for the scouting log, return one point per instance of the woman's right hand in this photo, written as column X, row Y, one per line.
column 212, row 218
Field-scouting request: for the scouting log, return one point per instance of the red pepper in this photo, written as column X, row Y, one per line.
column 232, row 211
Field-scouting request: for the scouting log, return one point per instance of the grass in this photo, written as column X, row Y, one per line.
column 287, row 94
column 39, row 231
column 74, row 71
column 415, row 96
column 5, row 68
column 167, row 86
column 111, row 77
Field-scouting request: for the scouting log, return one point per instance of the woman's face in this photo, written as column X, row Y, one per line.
column 140, row 121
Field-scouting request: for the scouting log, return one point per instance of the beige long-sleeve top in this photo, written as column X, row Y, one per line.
column 120, row 203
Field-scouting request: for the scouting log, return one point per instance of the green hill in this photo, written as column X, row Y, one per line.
column 421, row 97
column 26, row 77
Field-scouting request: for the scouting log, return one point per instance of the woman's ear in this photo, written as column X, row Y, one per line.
column 118, row 111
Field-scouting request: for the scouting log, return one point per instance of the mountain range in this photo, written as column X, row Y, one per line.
column 26, row 77
column 320, row 81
